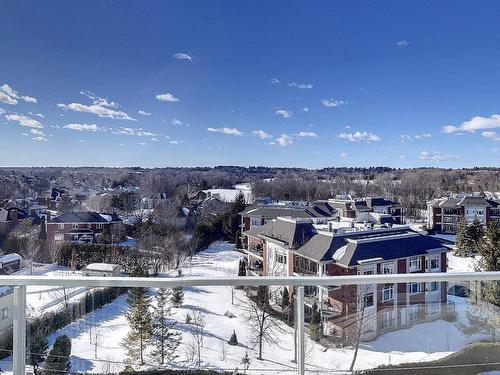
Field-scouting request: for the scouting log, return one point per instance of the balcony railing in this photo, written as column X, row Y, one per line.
column 20, row 284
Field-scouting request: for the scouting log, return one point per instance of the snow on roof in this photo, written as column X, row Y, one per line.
column 109, row 267
column 10, row 258
column 4, row 290
column 107, row 217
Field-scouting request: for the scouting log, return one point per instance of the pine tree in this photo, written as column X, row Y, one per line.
column 141, row 327
column 242, row 271
column 165, row 339
column 58, row 360
column 285, row 298
column 233, row 340
column 489, row 249
column 475, row 233
column 463, row 243
column 177, row 298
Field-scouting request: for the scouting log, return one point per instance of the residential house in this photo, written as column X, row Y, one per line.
column 444, row 214
column 369, row 209
column 84, row 227
column 289, row 247
column 10, row 218
column 259, row 214
column 53, row 200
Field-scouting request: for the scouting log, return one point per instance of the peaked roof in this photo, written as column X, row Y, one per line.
column 316, row 210
column 84, row 217
column 293, row 233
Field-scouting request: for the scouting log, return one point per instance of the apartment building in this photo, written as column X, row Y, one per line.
column 369, row 209
column 290, row 247
column 444, row 214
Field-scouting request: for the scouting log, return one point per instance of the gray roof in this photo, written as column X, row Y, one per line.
column 292, row 233
column 319, row 210
column 351, row 248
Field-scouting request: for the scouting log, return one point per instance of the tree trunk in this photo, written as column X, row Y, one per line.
column 358, row 337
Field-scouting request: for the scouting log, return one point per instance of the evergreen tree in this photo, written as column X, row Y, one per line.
column 315, row 322
column 463, row 243
column 140, row 320
column 231, row 221
column 285, row 299
column 233, row 340
column 489, row 249
column 475, row 234
column 58, row 360
column 165, row 340
column 177, row 297
column 242, row 270
column 38, row 344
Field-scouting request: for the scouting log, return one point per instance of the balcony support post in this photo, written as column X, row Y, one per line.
column 300, row 331
column 19, row 342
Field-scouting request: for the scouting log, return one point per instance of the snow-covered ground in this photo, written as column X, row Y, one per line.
column 229, row 195
column 422, row 342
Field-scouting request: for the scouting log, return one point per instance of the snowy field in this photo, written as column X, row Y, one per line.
column 423, row 342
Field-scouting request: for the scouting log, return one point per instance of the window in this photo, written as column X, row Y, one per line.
column 433, row 263
column 432, row 287
column 415, row 264
column 369, row 300
column 415, row 288
column 5, row 313
column 387, row 294
column 254, row 222
column 59, row 237
column 387, row 267
column 60, row 226
column 280, row 258
column 369, row 270
column 387, row 320
column 99, row 226
column 74, row 226
column 414, row 312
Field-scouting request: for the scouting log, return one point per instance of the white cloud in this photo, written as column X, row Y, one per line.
column 143, row 143
column 37, row 114
column 305, row 109
column 284, row 140
column 343, row 155
column 177, row 122
column 8, row 96
column 437, row 156
column 275, row 81
column 2, row 111
column 475, row 123
column 167, row 97
column 360, row 137
column 37, row 132
column 332, row 103
column 174, row 142
column 491, row 135
column 408, row 138
column 144, row 113
column 301, row 86
column 403, row 43
column 101, row 107
column 306, row 134
column 283, row 113
column 183, row 56
column 24, row 120
column 82, row 127
column 40, row 139
column 228, row 131
column 262, row 134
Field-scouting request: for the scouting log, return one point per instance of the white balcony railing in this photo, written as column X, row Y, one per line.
column 21, row 282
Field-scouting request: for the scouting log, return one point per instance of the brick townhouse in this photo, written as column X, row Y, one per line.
column 444, row 214
column 289, row 247
column 83, row 227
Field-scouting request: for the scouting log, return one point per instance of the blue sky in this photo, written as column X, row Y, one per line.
column 203, row 83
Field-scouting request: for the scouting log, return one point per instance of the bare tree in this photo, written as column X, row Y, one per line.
column 197, row 332
column 258, row 314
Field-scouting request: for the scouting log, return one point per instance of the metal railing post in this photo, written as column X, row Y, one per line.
column 19, row 340
column 300, row 331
